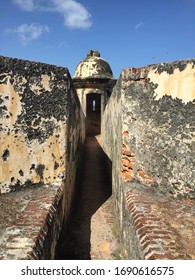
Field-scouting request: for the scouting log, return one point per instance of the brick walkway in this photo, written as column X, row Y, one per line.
column 27, row 219
column 164, row 226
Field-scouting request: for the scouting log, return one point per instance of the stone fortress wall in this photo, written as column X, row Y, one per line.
column 147, row 132
column 42, row 131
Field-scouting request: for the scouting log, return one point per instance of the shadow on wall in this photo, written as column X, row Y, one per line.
column 93, row 188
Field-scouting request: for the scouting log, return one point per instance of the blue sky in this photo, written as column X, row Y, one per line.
column 128, row 33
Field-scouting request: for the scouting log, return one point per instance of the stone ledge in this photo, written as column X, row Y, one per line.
column 164, row 226
column 30, row 222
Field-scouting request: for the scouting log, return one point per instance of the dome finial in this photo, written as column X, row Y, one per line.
column 93, row 53
column 93, row 66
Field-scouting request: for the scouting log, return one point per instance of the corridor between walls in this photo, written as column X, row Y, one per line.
column 91, row 233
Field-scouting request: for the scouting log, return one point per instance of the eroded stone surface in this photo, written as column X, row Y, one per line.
column 42, row 133
column 30, row 222
column 93, row 66
column 148, row 134
column 164, row 226
column 38, row 109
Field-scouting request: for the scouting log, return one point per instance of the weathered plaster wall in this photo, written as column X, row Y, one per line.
column 37, row 104
column 112, row 123
column 82, row 94
column 112, row 138
column 111, row 133
column 156, row 150
column 42, row 130
column 158, row 126
column 93, row 66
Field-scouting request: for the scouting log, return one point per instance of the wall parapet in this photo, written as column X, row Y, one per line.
column 159, row 234
column 31, row 229
column 148, row 134
column 42, row 128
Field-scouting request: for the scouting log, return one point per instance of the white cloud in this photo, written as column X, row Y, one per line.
column 27, row 5
column 75, row 14
column 28, row 33
column 138, row 25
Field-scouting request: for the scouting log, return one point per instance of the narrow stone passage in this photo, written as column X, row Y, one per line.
column 92, row 230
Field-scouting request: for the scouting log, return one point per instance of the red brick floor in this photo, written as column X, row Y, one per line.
column 25, row 218
column 165, row 226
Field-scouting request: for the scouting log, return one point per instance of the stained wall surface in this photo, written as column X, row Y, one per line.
column 153, row 147
column 94, row 82
column 158, row 126
column 42, row 130
column 40, row 124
